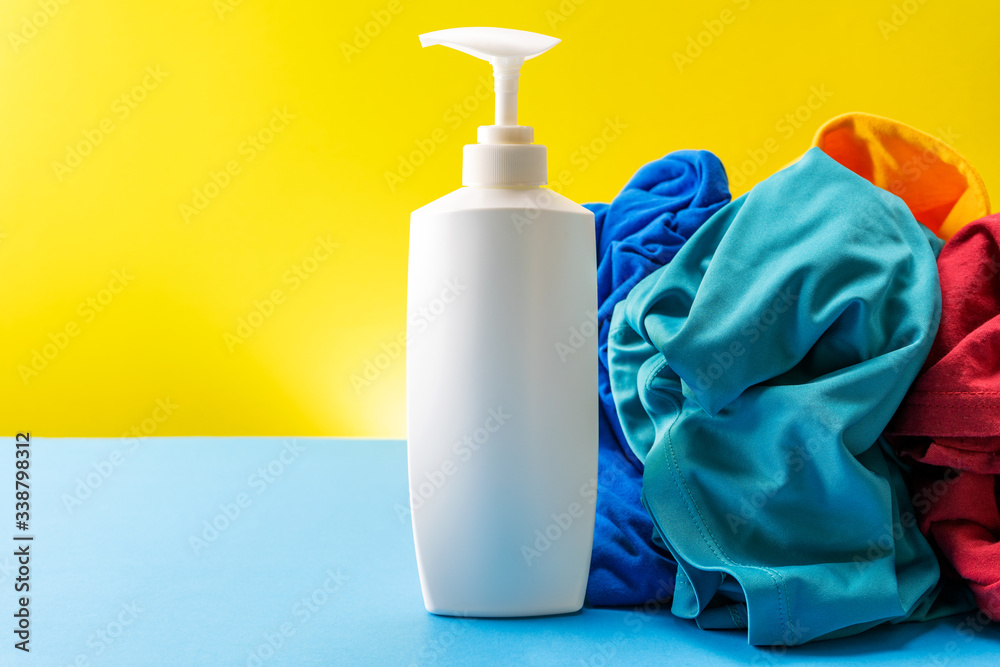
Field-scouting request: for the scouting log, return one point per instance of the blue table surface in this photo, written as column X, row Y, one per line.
column 178, row 551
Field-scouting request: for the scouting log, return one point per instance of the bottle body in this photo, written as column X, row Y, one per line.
column 502, row 401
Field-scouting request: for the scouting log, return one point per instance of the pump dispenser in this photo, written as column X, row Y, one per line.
column 502, row 369
column 505, row 155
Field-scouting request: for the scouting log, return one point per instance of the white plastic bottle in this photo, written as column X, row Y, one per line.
column 502, row 370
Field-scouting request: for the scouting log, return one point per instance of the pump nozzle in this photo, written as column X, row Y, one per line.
column 505, row 155
column 505, row 49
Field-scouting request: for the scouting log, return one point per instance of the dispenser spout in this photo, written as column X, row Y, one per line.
column 505, row 49
column 505, row 154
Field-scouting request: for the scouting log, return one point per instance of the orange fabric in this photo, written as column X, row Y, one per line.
column 940, row 187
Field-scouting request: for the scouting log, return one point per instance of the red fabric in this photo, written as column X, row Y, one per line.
column 951, row 416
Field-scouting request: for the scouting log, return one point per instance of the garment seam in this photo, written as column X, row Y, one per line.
column 701, row 526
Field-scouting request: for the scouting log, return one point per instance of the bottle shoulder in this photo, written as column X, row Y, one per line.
column 483, row 198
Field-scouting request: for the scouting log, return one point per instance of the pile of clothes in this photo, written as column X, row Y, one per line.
column 800, row 389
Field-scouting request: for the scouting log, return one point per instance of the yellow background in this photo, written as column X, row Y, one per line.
column 226, row 66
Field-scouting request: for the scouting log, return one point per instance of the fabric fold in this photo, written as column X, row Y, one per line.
column 641, row 230
column 941, row 188
column 950, row 419
column 753, row 376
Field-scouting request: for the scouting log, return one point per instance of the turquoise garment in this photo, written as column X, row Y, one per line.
column 753, row 375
